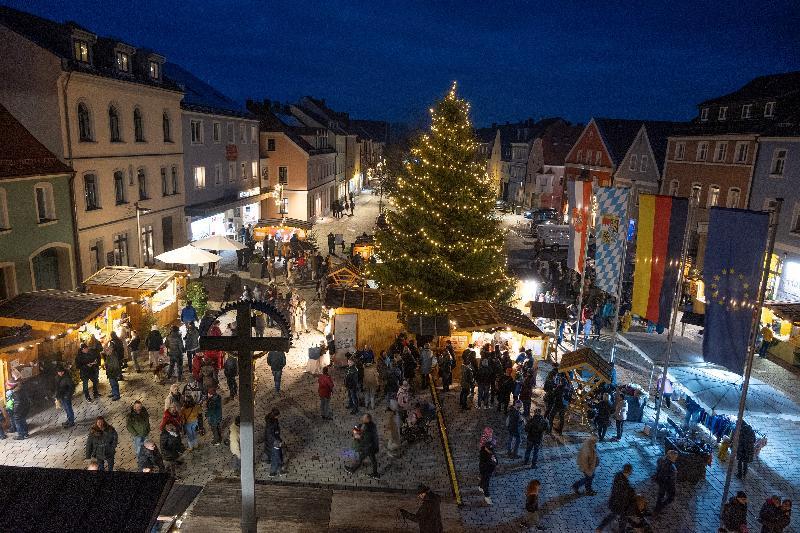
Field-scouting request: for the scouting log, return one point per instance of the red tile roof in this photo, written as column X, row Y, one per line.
column 22, row 154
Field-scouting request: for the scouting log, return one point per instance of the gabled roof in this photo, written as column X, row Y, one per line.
column 557, row 141
column 784, row 84
column 658, row 133
column 22, row 154
column 271, row 122
column 617, row 134
column 202, row 97
column 59, row 307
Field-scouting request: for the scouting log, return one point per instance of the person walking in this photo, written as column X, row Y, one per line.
column 351, row 383
column 101, row 444
column 587, row 460
column 526, row 392
column 771, row 515
column 535, row 429
column 190, row 413
column 88, row 363
column 272, row 432
column 505, row 387
column 174, row 346
column 213, row 403
column 149, row 458
column 513, row 424
column 171, row 448
column 21, row 403
column 231, row 370
column 487, row 464
column 621, row 500
column 325, row 389
column 429, row 515
column 734, row 513
column 153, row 344
column 191, row 343
column 746, row 450
column 620, row 414
column 367, row 446
column 276, row 361
column 188, row 313
column 603, row 417
column 665, row 477
column 484, row 379
column 331, row 244
column 370, row 385
column 65, row 388
column 138, row 423
column 446, row 361
column 113, row 366
column 467, row 382
column 426, row 363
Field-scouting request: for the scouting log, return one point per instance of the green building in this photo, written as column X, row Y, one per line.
column 37, row 235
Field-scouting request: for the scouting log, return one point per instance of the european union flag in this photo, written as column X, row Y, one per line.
column 734, row 261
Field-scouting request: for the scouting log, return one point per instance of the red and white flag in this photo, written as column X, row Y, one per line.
column 580, row 209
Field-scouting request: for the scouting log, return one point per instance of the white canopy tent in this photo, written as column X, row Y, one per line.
column 218, row 242
column 188, row 255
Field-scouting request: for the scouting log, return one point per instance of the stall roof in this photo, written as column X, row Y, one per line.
column 789, row 311
column 145, row 279
column 586, row 356
column 291, row 222
column 553, row 311
column 483, row 315
column 361, row 298
column 60, row 307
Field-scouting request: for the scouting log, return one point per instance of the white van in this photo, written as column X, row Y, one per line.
column 553, row 236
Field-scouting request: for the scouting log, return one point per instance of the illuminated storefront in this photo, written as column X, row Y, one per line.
column 225, row 217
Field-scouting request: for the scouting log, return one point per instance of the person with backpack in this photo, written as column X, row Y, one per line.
column 231, row 370
column 174, row 346
column 513, row 423
column 665, row 477
column 621, row 500
column 153, row 343
column 535, row 430
column 734, row 513
column 21, row 407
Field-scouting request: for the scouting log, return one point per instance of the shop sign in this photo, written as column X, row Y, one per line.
column 231, row 152
column 790, row 282
column 249, row 192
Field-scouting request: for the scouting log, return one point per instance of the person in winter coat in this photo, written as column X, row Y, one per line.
column 214, row 415
column 188, row 313
column 467, row 382
column 620, row 503
column 734, row 513
column 208, row 373
column 426, row 363
column 65, row 388
column 446, row 362
column 190, row 413
column 484, row 379
column 603, row 417
column 153, row 344
column 174, row 345
column 22, row 407
column 231, row 370
column 171, row 447
column 513, row 424
column 526, row 392
column 429, row 515
column 486, row 466
column 587, row 460
column 191, row 343
column 272, row 433
column 532, row 505
column 174, row 396
column 770, row 515
column 367, row 446
column 505, row 386
column 276, row 361
column 206, row 322
column 665, row 477
column 325, row 389
column 101, row 444
column 746, row 450
column 149, row 458
column 236, row 450
column 620, row 413
column 88, row 363
column 535, row 429
column 370, row 385
column 351, row 382
column 113, row 356
column 172, row 416
column 138, row 423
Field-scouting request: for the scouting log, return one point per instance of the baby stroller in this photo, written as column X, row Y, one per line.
column 417, row 426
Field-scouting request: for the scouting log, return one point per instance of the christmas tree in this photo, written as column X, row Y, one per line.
column 443, row 243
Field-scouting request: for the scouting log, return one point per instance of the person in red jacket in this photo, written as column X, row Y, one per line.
column 216, row 356
column 172, row 416
column 325, row 392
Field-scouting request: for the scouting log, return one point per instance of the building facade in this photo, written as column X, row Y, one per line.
column 600, row 149
column 37, row 237
column 544, row 180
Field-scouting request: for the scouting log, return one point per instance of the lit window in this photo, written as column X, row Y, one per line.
column 778, row 162
column 769, row 109
column 154, row 70
column 284, row 206
column 122, row 61
column 254, row 169
column 713, row 196
column 633, row 163
column 81, row 49
column 199, row 177
column 723, row 113
column 697, row 189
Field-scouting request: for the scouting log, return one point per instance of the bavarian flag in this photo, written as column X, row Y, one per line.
column 659, row 243
column 611, row 226
column 579, row 196
column 732, row 269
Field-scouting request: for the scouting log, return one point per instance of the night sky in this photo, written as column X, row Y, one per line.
column 513, row 60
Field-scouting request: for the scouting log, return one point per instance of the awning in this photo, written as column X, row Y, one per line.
column 789, row 311
column 480, row 315
column 289, row 222
column 207, row 209
column 553, row 311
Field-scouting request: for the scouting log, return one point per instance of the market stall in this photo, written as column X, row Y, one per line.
column 588, row 373
column 43, row 327
column 364, row 246
column 155, row 292
column 780, row 320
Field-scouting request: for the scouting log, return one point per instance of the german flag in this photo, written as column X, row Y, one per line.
column 659, row 242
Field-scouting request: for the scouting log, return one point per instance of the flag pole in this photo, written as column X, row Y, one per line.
column 583, row 277
column 615, row 323
column 748, row 365
column 676, row 300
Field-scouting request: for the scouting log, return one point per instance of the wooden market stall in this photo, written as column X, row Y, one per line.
column 587, row 371
column 364, row 245
column 153, row 291
column 47, row 326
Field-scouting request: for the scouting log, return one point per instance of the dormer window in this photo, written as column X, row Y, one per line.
column 769, row 109
column 723, row 113
column 747, row 110
column 81, row 49
column 154, row 70
column 704, row 114
column 123, row 61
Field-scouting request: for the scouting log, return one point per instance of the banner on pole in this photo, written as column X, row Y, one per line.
column 580, row 208
column 734, row 262
column 659, row 243
column 610, row 228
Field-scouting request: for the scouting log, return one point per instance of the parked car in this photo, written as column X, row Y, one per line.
column 542, row 216
column 553, row 236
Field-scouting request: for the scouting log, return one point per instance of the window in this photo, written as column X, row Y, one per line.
column 4, row 224
column 164, row 182
column 84, row 123
column 778, row 163
column 742, row 149
column 154, row 69
column 113, row 125
column 673, row 188
column 142, row 181
column 747, row 110
column 7, row 281
column 271, row 146
column 122, row 61
column 253, row 134
column 769, row 109
column 231, row 172
column 217, row 175
column 283, row 175
column 244, row 170
column 697, row 190
column 723, row 113
column 81, row 49
column 633, row 163
column 284, row 206
column 230, row 132
column 196, row 127
column 702, row 151
column 121, row 249
column 216, row 132
column 96, row 255
column 680, row 151
column 166, row 127
column 45, row 205
column 254, row 169
column 796, row 219
column 713, row 195
column 147, row 244
column 199, row 174
column 119, row 187
column 643, row 165
column 174, row 180
column 138, row 125
column 722, row 152
column 704, row 114
column 733, row 197
column 597, row 159
column 580, row 155
column 242, row 134
column 90, row 192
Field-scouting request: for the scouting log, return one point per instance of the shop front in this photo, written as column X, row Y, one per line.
column 225, row 216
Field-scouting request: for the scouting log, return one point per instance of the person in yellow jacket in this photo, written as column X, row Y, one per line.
column 190, row 412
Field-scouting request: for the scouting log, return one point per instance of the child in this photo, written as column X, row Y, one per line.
column 532, row 505
column 637, row 522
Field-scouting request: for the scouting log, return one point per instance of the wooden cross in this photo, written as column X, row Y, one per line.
column 245, row 344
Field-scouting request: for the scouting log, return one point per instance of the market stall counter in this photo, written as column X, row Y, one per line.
column 693, row 457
